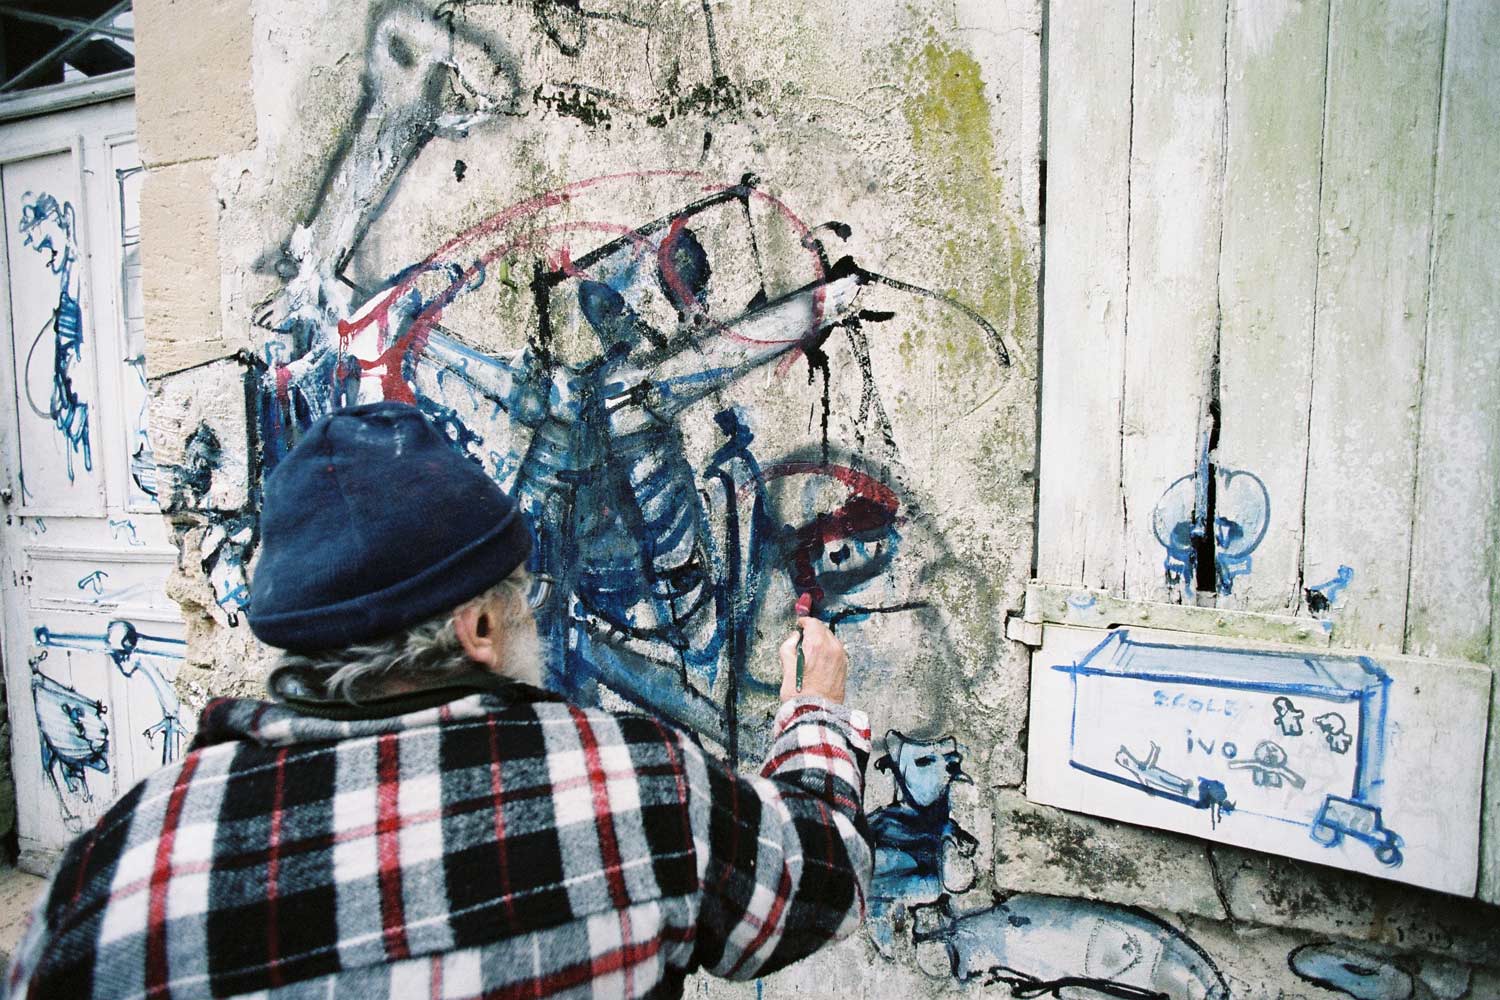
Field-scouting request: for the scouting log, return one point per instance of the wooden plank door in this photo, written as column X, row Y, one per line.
column 91, row 641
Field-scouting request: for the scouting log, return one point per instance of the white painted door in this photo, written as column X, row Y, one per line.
column 91, row 641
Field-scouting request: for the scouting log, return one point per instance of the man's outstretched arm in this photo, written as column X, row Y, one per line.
column 785, row 861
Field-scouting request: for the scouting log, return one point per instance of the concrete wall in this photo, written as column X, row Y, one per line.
column 465, row 204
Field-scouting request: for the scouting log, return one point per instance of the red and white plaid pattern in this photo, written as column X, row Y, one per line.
column 490, row 847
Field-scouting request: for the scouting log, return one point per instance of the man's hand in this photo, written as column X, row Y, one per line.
column 825, row 663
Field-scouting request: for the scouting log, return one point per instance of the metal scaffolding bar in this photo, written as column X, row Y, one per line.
column 78, row 37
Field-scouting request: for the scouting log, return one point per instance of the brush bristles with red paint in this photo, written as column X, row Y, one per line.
column 803, row 609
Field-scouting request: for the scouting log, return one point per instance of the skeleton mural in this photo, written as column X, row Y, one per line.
column 659, row 560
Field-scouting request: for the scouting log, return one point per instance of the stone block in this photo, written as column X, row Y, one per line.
column 1041, row 849
column 180, row 271
column 193, row 97
column 1283, row 892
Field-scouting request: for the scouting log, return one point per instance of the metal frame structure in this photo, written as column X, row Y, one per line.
column 79, row 32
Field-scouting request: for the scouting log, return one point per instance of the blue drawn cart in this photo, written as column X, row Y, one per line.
column 1293, row 737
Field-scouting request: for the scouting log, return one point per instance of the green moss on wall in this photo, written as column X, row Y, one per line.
column 980, row 249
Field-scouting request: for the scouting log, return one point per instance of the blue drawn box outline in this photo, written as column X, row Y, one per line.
column 1370, row 742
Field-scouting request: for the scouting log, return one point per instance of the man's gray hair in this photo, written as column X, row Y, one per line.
column 427, row 654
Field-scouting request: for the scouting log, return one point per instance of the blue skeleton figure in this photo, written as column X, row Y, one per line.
column 49, row 227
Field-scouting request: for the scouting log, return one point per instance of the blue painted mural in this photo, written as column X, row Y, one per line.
column 664, row 551
column 50, row 228
column 74, row 739
column 1352, row 971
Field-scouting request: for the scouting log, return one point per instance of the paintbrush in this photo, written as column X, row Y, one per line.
column 803, row 609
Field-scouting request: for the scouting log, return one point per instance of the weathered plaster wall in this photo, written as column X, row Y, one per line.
column 362, row 200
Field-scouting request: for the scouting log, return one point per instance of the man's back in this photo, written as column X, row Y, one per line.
column 495, row 845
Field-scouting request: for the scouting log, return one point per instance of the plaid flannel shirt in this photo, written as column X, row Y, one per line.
column 487, row 847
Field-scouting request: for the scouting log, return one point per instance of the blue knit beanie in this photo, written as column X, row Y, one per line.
column 374, row 522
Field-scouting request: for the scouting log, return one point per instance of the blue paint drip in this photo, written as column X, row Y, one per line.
column 1321, row 597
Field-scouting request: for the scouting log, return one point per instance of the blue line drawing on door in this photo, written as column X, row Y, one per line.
column 50, row 228
column 134, row 653
column 1223, row 701
column 74, row 739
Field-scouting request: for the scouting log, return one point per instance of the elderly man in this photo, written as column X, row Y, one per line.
column 411, row 816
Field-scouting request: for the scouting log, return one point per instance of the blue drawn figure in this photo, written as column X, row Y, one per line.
column 1288, row 716
column 1239, row 507
column 74, row 739
column 1332, row 726
column 50, row 228
column 920, row 850
column 1128, row 693
column 1323, row 596
column 228, row 536
column 224, row 550
column 660, row 565
column 1352, row 971
column 135, row 653
column 1054, row 946
column 1149, row 773
column 1267, row 766
column 1207, row 794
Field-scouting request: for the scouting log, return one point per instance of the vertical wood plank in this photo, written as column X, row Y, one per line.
column 1458, row 464
column 1274, row 118
column 1381, row 125
column 1176, row 178
column 1088, row 144
column 1456, row 541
